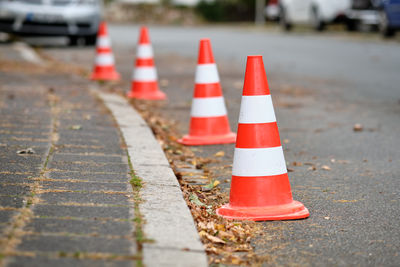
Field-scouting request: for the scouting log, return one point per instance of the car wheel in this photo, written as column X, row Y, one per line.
column 316, row 20
column 73, row 40
column 283, row 20
column 384, row 27
column 351, row 25
column 90, row 40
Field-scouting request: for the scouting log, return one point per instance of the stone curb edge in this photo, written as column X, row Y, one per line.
column 168, row 220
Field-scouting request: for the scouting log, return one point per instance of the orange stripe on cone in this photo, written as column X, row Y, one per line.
column 104, row 68
column 260, row 188
column 209, row 121
column 144, row 83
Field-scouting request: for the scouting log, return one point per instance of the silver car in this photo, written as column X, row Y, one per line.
column 77, row 19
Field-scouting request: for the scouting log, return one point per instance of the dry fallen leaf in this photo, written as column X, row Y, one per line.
column 312, row 168
column 345, row 201
column 195, row 200
column 219, row 154
column 236, row 261
column 76, row 127
column 214, row 239
column 358, row 127
column 326, row 168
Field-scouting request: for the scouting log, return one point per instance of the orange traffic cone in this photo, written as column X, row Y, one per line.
column 104, row 68
column 144, row 77
column 209, row 121
column 260, row 188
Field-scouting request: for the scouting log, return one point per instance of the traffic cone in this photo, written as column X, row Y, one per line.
column 144, row 76
column 104, row 68
column 209, row 121
column 260, row 188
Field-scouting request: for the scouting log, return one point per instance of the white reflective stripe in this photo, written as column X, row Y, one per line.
column 258, row 162
column 208, row 107
column 256, row 109
column 145, row 51
column 206, row 73
column 105, row 59
column 103, row 42
column 144, row 74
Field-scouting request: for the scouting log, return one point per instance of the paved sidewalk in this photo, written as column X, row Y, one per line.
column 68, row 201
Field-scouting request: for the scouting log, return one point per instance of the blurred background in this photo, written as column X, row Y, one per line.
column 78, row 19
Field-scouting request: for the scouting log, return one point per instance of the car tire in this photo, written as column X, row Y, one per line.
column 384, row 27
column 351, row 25
column 316, row 21
column 73, row 40
column 283, row 20
column 90, row 40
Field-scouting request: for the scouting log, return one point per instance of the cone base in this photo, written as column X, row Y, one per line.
column 156, row 95
column 291, row 211
column 102, row 76
column 190, row 140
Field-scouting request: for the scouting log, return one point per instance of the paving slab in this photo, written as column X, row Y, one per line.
column 103, row 177
column 5, row 215
column 13, row 189
column 108, row 198
column 89, row 167
column 11, row 202
column 87, row 158
column 80, row 227
column 85, row 186
column 49, row 243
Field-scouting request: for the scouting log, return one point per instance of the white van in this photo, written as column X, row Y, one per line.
column 316, row 13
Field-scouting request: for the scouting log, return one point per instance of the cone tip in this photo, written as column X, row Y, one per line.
column 144, row 35
column 255, row 81
column 102, row 28
column 205, row 52
column 255, row 57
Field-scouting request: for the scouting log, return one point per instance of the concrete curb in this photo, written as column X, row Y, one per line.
column 168, row 220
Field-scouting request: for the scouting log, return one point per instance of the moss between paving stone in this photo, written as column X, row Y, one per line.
column 136, row 183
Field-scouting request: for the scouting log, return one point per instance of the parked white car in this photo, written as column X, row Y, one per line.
column 75, row 19
column 316, row 13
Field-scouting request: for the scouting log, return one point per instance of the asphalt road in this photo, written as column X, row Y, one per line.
column 321, row 86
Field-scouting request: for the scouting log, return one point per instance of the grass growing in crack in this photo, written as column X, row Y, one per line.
column 137, row 184
column 48, row 157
